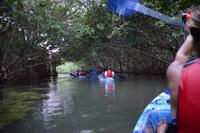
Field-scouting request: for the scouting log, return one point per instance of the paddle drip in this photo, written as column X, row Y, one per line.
column 129, row 7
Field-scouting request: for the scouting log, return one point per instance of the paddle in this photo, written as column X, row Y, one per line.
column 128, row 8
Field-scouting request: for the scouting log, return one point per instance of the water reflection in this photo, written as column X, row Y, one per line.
column 89, row 106
column 109, row 88
column 59, row 103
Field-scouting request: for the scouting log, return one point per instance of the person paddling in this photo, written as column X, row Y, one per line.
column 109, row 73
column 183, row 81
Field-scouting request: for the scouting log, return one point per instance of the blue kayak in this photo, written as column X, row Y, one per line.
column 105, row 79
column 156, row 110
column 87, row 77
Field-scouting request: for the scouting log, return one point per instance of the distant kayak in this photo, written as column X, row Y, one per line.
column 105, row 79
column 87, row 77
column 156, row 110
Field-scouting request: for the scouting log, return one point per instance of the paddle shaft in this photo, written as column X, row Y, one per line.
column 152, row 13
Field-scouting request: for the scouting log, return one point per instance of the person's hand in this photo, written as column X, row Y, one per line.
column 162, row 126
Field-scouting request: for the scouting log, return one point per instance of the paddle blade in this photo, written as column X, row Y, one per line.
column 123, row 7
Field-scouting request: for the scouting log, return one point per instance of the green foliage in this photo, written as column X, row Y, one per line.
column 68, row 67
column 79, row 29
column 171, row 7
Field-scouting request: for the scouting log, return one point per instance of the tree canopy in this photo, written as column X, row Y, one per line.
column 45, row 32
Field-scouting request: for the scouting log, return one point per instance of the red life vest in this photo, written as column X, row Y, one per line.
column 108, row 73
column 83, row 74
column 188, row 117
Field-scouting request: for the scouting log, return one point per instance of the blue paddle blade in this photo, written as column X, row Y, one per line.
column 123, row 7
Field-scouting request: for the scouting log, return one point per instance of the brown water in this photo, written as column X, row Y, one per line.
column 89, row 106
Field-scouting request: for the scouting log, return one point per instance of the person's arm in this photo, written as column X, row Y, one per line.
column 174, row 72
column 113, row 74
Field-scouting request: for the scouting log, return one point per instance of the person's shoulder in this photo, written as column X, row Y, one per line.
column 191, row 62
column 175, row 66
column 174, row 70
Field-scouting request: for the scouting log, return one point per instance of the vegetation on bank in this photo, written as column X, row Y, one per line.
column 36, row 36
column 15, row 105
column 68, row 67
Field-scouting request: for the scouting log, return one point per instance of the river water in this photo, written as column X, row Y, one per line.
column 89, row 106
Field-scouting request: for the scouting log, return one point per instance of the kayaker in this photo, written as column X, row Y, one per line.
column 183, row 81
column 83, row 73
column 109, row 73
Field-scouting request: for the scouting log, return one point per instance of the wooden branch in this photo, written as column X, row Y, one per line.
column 7, row 26
column 16, row 59
column 141, row 52
column 4, row 60
column 33, row 58
column 70, row 14
column 25, row 67
column 144, row 53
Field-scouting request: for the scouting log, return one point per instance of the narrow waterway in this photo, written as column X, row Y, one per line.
column 89, row 106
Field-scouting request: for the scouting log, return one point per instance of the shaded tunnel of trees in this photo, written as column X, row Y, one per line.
column 36, row 36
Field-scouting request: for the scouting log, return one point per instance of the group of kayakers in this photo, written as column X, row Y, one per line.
column 82, row 72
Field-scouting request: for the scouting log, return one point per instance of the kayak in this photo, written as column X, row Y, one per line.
column 105, row 79
column 87, row 77
column 155, row 111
